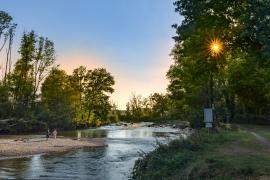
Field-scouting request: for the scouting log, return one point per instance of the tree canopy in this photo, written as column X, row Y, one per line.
column 35, row 93
column 235, row 81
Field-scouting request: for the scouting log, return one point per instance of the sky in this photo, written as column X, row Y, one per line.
column 131, row 39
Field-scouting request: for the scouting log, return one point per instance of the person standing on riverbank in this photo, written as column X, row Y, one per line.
column 54, row 133
column 47, row 134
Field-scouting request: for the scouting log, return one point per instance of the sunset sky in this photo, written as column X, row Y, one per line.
column 131, row 39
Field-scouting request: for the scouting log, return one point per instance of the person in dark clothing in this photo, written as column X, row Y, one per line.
column 48, row 134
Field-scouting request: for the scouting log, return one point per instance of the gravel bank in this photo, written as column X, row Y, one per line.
column 14, row 148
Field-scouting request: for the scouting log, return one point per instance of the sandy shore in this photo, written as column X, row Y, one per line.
column 12, row 148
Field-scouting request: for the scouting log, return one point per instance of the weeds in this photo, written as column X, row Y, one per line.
column 202, row 157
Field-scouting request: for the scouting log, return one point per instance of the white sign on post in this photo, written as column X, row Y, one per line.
column 208, row 125
column 208, row 117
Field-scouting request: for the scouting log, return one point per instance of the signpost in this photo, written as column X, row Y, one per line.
column 208, row 118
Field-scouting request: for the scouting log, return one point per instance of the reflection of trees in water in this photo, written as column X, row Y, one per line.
column 160, row 134
column 89, row 133
column 92, row 133
column 9, row 168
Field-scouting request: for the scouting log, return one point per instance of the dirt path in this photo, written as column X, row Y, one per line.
column 261, row 139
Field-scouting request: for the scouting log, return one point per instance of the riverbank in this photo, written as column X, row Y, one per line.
column 20, row 147
column 237, row 153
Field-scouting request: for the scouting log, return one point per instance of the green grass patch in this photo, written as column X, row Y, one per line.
column 261, row 130
column 230, row 154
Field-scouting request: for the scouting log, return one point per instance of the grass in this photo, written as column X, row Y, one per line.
column 261, row 130
column 230, row 154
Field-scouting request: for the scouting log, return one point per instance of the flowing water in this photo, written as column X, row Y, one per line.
column 113, row 162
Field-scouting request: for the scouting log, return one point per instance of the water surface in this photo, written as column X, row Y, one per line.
column 114, row 162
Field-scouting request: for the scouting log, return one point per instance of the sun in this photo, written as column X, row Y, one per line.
column 215, row 47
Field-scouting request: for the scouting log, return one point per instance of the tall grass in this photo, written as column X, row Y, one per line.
column 204, row 157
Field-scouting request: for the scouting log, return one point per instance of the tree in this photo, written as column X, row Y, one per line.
column 10, row 36
column 136, row 107
column 37, row 58
column 5, row 25
column 78, row 80
column 56, row 94
column 114, row 114
column 79, row 99
column 5, row 104
column 43, row 61
column 197, row 79
column 99, row 84
column 21, row 77
column 160, row 104
column 155, row 107
column 7, row 29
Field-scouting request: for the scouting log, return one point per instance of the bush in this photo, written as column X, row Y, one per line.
column 252, row 119
column 182, row 159
column 22, row 126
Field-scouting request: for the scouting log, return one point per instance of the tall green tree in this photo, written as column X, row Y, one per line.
column 43, row 61
column 7, row 29
column 56, row 94
column 98, row 87
column 135, row 107
column 160, row 104
column 78, row 81
column 37, row 58
column 21, row 77
column 235, row 79
column 10, row 35
column 5, row 25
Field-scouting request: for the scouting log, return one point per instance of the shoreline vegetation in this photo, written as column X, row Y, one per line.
column 237, row 152
column 28, row 146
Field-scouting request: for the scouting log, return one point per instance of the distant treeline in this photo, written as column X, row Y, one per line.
column 36, row 94
column 156, row 107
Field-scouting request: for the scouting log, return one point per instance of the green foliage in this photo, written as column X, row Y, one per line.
column 5, row 20
column 63, row 101
column 37, row 57
column 80, row 98
column 21, row 126
column 5, row 104
column 205, row 157
column 153, row 108
column 6, row 26
column 56, row 99
column 21, row 78
column 236, row 81
column 91, row 88
column 78, row 81
column 114, row 115
column 159, row 104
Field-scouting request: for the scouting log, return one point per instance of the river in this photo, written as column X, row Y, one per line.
column 113, row 162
